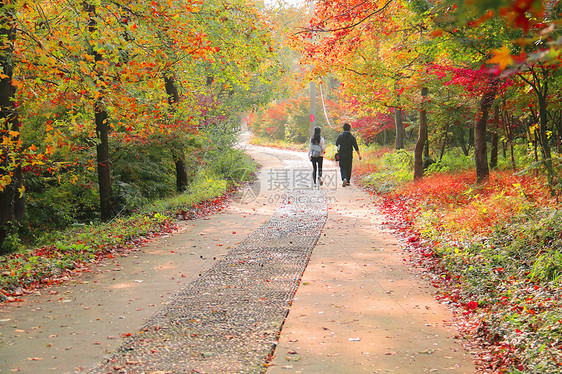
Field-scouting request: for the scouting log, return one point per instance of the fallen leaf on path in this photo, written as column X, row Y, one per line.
column 426, row 352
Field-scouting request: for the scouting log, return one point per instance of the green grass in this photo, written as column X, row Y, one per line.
column 59, row 252
column 273, row 143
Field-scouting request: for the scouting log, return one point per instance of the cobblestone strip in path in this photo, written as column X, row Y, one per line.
column 228, row 320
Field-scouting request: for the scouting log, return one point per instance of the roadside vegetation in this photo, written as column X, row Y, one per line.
column 117, row 119
column 492, row 249
column 44, row 258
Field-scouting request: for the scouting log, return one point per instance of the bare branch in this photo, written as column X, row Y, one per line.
column 358, row 72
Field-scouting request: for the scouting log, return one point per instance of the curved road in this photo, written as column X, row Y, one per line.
column 215, row 296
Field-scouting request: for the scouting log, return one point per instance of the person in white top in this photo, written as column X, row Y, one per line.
column 316, row 150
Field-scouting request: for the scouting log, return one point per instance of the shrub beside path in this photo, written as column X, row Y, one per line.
column 358, row 307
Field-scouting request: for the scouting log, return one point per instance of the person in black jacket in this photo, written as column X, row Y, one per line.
column 346, row 143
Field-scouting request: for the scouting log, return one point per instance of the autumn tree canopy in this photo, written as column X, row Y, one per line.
column 386, row 53
column 82, row 80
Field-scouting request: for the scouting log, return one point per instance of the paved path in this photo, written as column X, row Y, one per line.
column 213, row 297
column 360, row 308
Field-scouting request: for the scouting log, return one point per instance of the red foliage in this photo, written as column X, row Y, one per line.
column 452, row 192
column 370, row 126
column 439, row 189
column 524, row 13
column 365, row 168
column 459, row 189
column 474, row 81
column 278, row 113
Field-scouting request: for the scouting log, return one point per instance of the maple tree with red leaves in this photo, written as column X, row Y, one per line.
column 381, row 52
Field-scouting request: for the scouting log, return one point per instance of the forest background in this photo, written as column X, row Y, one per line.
column 120, row 117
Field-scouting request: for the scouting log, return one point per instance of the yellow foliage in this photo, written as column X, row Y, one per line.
column 502, row 57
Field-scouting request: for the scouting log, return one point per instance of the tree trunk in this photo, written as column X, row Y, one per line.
column 507, row 125
column 179, row 155
column 545, row 145
column 181, row 173
column 400, row 133
column 494, row 151
column 512, row 154
column 102, row 132
column 462, row 141
column 12, row 203
column 444, row 145
column 558, row 124
column 171, row 89
column 557, row 121
column 495, row 139
column 480, row 151
column 541, row 74
column 104, row 162
column 422, row 138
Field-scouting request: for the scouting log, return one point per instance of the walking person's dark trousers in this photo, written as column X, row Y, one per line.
column 345, row 167
column 316, row 167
